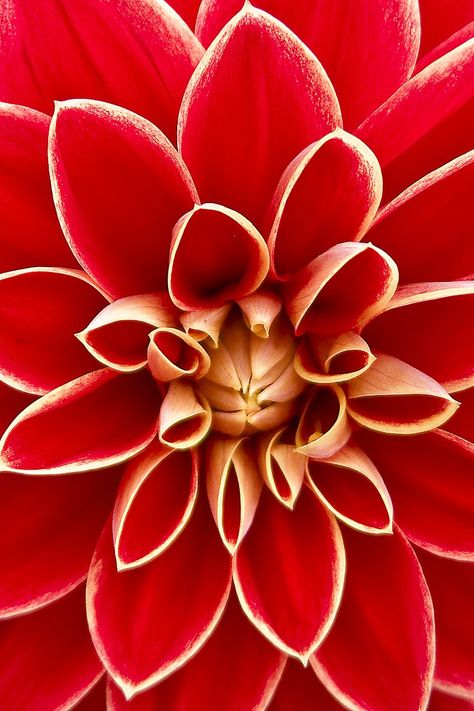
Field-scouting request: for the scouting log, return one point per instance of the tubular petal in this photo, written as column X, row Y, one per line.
column 173, row 354
column 289, row 587
column 216, row 255
column 154, row 502
column 145, row 623
column 379, row 654
column 340, row 289
column 119, row 186
column 95, row 421
column 281, row 466
column 259, row 311
column 329, row 360
column 47, row 658
column 136, row 53
column 328, row 194
column 185, row 416
column 323, row 427
column 205, row 323
column 301, row 689
column 256, row 70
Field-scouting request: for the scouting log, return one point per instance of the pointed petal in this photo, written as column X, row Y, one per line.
column 137, row 54
column 256, row 70
column 216, row 255
column 426, row 325
column 434, row 510
column 236, row 669
column 95, row 421
column 205, row 323
column 340, row 289
column 48, row 661
column 173, row 354
column 289, row 588
column 281, row 466
column 301, row 689
column 155, row 499
column 323, row 427
column 119, row 187
column 424, row 124
column 185, row 416
column 142, row 638
column 414, row 227
column 379, row 654
column 332, row 360
column 328, row 194
column 30, row 231
column 259, row 311
column 40, row 310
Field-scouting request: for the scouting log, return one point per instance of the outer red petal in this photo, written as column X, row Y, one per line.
column 95, row 421
column 379, row 654
column 148, row 622
column 136, row 53
column 30, row 232
column 12, row 402
column 301, row 690
column 452, row 588
column 462, row 422
column 47, row 658
column 440, row 18
column 95, row 699
column 119, row 187
column 187, row 9
column 258, row 97
column 235, row 670
column 440, row 701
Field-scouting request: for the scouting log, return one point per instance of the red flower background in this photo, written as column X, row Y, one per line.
column 237, row 355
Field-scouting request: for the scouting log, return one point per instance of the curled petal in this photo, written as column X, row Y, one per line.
column 426, row 325
column 40, row 309
column 323, row 427
column 259, row 311
column 142, row 638
column 154, row 502
column 233, row 488
column 286, row 387
column 328, row 360
column 256, row 70
column 351, row 487
column 216, row 255
column 185, row 416
column 173, row 354
column 205, row 323
column 95, row 421
column 328, row 194
column 395, row 398
column 118, row 336
column 288, row 587
column 340, row 289
column 281, row 466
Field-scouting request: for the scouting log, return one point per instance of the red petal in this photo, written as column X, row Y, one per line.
column 216, row 255
column 256, row 71
column 440, row 18
column 47, row 658
column 40, row 311
column 427, row 229
column 12, row 402
column 332, row 360
column 185, row 416
column 434, row 510
column 29, row 227
column 154, row 502
column 328, row 194
column 138, row 54
column 426, row 325
column 458, row 38
column 452, row 588
column 288, row 587
column 426, row 123
column 148, row 622
column 379, row 654
column 49, row 528
column 300, row 689
column 462, row 422
column 187, row 9
column 323, row 427
column 95, row 421
column 174, row 354
column 119, row 187
column 94, row 699
column 440, row 701
column 368, row 49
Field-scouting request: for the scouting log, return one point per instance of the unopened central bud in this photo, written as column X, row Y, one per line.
column 252, row 385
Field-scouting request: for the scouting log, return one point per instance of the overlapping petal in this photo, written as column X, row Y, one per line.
column 301, row 689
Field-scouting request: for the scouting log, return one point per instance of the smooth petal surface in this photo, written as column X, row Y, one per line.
column 154, row 501
column 187, row 9
column 137, row 54
column 256, row 70
column 47, row 658
column 426, row 123
column 289, row 573
column 324, row 426
column 259, row 311
column 379, row 654
column 12, row 402
column 205, row 323
column 49, row 527
column 301, row 689
column 119, row 187
column 40, row 310
column 440, row 701
column 281, row 466
column 440, row 19
column 31, row 235
column 462, row 422
column 95, row 421
column 328, row 194
column 185, row 416
column 427, row 229
column 425, row 326
column 236, row 669
column 145, row 623
column 332, row 360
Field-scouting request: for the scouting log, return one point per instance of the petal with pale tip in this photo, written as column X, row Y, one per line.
column 206, row 324
column 281, row 466
column 174, row 354
column 323, row 427
column 154, row 502
column 259, row 311
column 332, row 360
column 185, row 416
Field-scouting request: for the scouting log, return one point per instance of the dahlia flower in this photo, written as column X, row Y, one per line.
column 236, row 370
